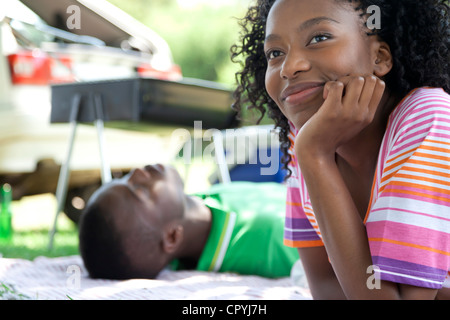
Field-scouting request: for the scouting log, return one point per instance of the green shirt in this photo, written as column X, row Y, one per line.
column 247, row 230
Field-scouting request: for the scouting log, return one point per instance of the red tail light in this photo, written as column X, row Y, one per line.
column 174, row 73
column 39, row 68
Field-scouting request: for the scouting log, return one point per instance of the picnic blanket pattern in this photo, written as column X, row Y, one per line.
column 66, row 278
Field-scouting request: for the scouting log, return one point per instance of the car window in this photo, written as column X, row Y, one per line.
column 15, row 9
column 26, row 24
column 27, row 34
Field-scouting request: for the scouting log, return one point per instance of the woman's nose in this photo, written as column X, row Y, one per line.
column 294, row 64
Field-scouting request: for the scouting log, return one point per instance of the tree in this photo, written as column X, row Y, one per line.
column 200, row 38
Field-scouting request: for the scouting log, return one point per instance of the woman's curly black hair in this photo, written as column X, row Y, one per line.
column 417, row 32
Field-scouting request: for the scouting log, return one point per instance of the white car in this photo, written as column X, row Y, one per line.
column 45, row 44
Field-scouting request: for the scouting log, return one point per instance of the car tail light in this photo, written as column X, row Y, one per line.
column 39, row 68
column 147, row 71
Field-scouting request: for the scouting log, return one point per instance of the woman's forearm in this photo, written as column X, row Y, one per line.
column 341, row 227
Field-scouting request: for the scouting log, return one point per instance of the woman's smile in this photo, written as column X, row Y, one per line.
column 310, row 43
column 298, row 94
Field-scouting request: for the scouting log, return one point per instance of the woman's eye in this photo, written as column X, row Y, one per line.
column 319, row 38
column 273, row 54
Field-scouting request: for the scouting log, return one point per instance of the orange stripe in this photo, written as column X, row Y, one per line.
column 419, row 186
column 432, row 172
column 421, row 154
column 432, row 156
column 399, row 156
column 429, row 139
column 421, row 195
column 294, row 204
column 291, row 140
column 407, row 244
column 430, row 164
column 419, row 178
column 426, row 147
column 404, row 99
column 310, row 216
column 389, row 168
column 419, row 162
column 303, row 244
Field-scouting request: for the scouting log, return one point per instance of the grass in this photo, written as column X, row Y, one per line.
column 34, row 243
column 8, row 292
column 33, row 216
column 32, row 219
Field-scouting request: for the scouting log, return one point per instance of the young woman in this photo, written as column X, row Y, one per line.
column 364, row 115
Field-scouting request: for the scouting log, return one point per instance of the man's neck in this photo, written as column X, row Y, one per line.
column 197, row 226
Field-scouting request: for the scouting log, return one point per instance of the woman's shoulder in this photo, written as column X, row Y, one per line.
column 423, row 99
column 421, row 104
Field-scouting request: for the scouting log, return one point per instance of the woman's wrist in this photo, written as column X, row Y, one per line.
column 314, row 156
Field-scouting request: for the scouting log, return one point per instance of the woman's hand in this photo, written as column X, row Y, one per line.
column 350, row 106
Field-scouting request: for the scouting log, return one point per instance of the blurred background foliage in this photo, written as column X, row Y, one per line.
column 199, row 33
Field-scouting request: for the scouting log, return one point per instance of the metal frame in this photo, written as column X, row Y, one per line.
column 63, row 180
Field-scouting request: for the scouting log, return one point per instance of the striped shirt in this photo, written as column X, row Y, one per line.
column 408, row 219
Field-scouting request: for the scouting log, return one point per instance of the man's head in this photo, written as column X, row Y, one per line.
column 131, row 226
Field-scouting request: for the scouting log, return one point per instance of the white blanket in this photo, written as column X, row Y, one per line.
column 66, row 278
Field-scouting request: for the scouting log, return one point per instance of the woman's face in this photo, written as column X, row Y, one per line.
column 309, row 43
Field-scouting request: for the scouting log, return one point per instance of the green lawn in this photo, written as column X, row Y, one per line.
column 33, row 216
column 34, row 243
column 32, row 219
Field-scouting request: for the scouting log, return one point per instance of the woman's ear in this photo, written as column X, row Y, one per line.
column 172, row 237
column 383, row 62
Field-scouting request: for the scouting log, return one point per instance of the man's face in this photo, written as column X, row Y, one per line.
column 152, row 195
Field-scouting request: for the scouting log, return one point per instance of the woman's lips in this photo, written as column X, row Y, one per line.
column 296, row 95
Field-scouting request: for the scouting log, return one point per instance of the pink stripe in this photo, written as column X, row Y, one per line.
column 405, row 109
column 399, row 149
column 410, row 234
column 421, row 116
column 409, row 196
column 293, row 196
column 415, row 235
column 409, row 211
column 439, row 135
column 427, row 129
column 414, row 255
column 413, row 134
column 410, row 104
column 435, row 106
column 416, row 188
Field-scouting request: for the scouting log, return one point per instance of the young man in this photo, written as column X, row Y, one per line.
column 136, row 226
